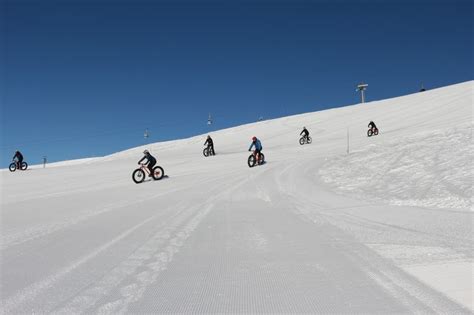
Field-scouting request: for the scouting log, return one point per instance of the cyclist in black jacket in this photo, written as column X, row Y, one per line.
column 151, row 161
column 305, row 132
column 210, row 145
column 372, row 125
column 18, row 158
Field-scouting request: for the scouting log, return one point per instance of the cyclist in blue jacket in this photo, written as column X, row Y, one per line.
column 258, row 146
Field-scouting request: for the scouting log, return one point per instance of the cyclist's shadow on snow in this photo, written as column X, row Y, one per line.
column 155, row 180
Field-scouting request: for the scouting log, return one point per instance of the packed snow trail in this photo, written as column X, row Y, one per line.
column 306, row 232
column 290, row 264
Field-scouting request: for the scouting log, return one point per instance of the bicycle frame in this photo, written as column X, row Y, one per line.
column 255, row 154
column 210, row 150
column 145, row 168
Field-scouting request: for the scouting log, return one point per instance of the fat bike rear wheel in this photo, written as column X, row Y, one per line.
column 158, row 172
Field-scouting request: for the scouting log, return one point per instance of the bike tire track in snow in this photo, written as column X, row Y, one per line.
column 153, row 256
column 33, row 233
column 43, row 230
column 91, row 295
column 33, row 290
column 262, row 270
column 29, row 293
column 134, row 291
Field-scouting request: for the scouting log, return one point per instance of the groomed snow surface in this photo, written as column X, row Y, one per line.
column 384, row 229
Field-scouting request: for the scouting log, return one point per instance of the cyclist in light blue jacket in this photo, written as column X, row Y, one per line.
column 257, row 144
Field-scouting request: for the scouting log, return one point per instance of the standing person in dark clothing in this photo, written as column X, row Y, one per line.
column 18, row 158
column 305, row 132
column 151, row 161
column 210, row 145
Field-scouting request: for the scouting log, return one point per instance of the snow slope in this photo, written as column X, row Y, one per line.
column 428, row 169
column 386, row 228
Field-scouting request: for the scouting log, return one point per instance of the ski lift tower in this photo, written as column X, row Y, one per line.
column 422, row 89
column 209, row 120
column 361, row 88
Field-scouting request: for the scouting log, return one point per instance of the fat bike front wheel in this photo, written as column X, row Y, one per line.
column 138, row 176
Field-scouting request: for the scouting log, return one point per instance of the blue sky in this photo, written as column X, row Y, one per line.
column 85, row 78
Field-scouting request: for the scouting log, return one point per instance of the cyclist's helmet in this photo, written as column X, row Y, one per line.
column 254, row 138
column 145, row 152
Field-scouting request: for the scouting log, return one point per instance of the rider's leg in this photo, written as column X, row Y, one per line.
column 150, row 168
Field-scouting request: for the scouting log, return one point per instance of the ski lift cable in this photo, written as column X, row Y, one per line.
column 125, row 130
